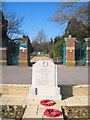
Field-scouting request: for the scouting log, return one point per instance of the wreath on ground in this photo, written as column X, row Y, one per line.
column 52, row 113
column 47, row 102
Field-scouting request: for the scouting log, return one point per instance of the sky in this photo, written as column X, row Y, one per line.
column 36, row 17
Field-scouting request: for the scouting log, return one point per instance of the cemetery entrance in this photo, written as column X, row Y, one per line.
column 80, row 53
column 18, row 52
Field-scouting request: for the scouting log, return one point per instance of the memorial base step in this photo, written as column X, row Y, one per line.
column 59, row 97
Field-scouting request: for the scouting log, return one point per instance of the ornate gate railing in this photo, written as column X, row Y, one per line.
column 80, row 53
column 28, row 52
column 13, row 53
column 64, row 53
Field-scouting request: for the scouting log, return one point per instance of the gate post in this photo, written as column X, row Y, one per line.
column 88, row 51
column 70, row 51
column 23, row 51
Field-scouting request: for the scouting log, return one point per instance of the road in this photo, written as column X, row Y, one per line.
column 65, row 75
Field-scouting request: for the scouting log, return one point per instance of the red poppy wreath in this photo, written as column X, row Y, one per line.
column 52, row 113
column 47, row 102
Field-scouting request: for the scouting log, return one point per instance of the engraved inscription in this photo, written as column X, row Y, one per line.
column 44, row 74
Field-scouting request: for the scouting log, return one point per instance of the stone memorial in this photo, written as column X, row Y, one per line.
column 44, row 81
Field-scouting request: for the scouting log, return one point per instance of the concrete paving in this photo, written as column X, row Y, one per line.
column 65, row 75
column 35, row 110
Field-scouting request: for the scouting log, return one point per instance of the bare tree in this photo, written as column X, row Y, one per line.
column 68, row 10
column 36, row 46
column 41, row 37
column 14, row 28
column 40, row 43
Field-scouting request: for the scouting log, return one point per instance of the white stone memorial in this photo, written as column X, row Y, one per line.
column 44, row 81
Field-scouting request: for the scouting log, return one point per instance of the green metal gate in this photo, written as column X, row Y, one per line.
column 28, row 52
column 64, row 53
column 80, row 53
column 13, row 53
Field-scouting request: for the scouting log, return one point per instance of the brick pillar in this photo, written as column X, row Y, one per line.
column 3, row 56
column 70, row 51
column 3, row 53
column 23, row 60
column 88, row 51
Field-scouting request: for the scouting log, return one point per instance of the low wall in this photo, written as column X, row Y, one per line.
column 66, row 90
column 12, row 89
column 78, row 90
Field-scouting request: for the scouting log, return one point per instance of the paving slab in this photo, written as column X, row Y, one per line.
column 29, row 116
column 30, row 112
column 73, row 101
column 77, row 101
column 4, row 99
column 60, row 102
column 85, row 100
column 40, row 110
column 31, row 102
column 16, row 100
column 12, row 99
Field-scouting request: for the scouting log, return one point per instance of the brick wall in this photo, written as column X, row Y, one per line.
column 70, row 56
column 70, row 43
column 23, row 55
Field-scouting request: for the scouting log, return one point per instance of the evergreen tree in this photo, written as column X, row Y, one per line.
column 76, row 29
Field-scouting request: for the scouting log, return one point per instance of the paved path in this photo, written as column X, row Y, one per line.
column 65, row 75
column 39, row 58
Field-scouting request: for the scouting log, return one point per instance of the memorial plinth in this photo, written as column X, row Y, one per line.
column 44, row 81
